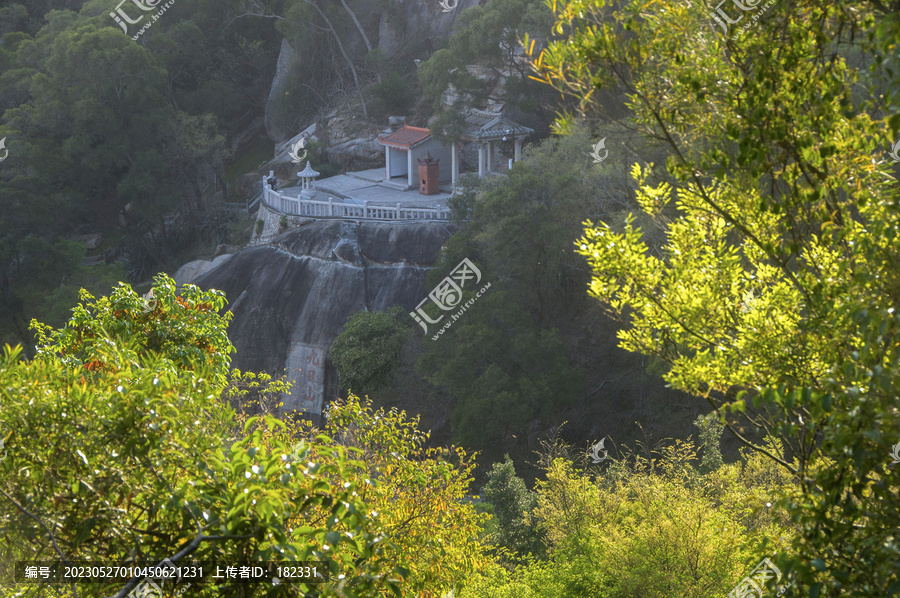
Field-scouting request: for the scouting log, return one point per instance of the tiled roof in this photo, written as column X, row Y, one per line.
column 406, row 137
column 482, row 125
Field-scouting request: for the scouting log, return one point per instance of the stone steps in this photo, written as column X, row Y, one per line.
column 368, row 176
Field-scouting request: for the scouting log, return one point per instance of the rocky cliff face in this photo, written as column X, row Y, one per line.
column 403, row 30
column 291, row 298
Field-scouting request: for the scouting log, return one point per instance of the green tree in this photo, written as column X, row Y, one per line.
column 501, row 369
column 366, row 352
column 514, row 506
column 394, row 94
column 711, row 428
column 96, row 122
column 775, row 292
column 646, row 525
column 506, row 360
column 489, row 37
column 524, row 223
column 119, row 447
column 420, row 493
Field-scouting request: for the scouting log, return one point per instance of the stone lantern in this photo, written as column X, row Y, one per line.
column 307, row 185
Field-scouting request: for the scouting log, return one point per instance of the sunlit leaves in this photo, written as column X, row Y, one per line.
column 135, row 457
column 779, row 274
column 417, row 492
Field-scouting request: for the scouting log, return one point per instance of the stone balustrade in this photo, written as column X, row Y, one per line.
column 314, row 208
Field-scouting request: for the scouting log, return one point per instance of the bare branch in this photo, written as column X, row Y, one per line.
column 252, row 14
column 344, row 53
column 49, row 533
column 194, row 545
column 42, row 524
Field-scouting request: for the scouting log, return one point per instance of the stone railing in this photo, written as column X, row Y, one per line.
column 313, row 208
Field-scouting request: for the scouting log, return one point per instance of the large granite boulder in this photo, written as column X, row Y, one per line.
column 283, row 68
column 291, row 298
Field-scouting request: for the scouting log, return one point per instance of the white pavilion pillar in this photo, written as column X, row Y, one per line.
column 518, row 150
column 454, row 164
column 387, row 162
column 490, row 156
column 410, row 173
column 481, row 160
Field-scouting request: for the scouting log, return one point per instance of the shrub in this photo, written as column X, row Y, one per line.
column 513, row 505
column 393, row 94
column 365, row 354
column 646, row 526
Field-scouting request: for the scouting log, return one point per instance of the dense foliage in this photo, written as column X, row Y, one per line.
column 775, row 294
column 488, row 36
column 758, row 268
column 513, row 513
column 649, row 524
column 118, row 448
column 420, row 493
column 509, row 359
column 104, row 131
column 366, row 352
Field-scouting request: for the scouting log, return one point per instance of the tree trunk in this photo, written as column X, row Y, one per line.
column 362, row 32
column 344, row 53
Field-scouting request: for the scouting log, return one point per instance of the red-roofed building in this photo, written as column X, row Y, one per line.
column 406, row 137
column 405, row 146
column 484, row 129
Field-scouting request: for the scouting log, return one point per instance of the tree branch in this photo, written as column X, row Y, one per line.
column 49, row 533
column 345, row 55
column 191, row 547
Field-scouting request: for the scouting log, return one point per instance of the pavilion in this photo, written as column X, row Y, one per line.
column 485, row 129
column 404, row 146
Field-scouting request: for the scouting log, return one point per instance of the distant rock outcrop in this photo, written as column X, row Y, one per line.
column 420, row 21
column 291, row 298
column 283, row 69
column 192, row 270
column 402, row 30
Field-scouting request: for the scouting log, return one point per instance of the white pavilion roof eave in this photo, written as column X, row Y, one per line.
column 308, row 172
